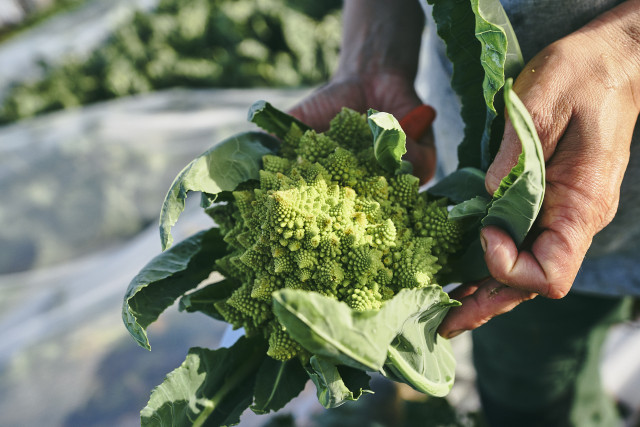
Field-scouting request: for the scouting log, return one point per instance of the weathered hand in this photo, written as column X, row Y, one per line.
column 377, row 68
column 384, row 92
column 583, row 95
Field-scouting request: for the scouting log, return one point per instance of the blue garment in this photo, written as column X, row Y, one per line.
column 612, row 264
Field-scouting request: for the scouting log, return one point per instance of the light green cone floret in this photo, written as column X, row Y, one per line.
column 362, row 299
column 430, row 219
column 320, row 220
column 274, row 164
column 313, row 147
column 281, row 345
column 404, row 189
column 351, row 130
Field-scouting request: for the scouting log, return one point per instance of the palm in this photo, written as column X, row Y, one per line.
column 384, row 93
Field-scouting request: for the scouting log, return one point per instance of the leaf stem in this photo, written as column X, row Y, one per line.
column 415, row 379
column 230, row 384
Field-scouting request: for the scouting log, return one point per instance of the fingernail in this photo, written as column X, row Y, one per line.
column 455, row 333
column 418, row 121
column 483, row 242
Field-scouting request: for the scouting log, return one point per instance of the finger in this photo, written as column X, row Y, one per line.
column 420, row 144
column 423, row 158
column 491, row 299
column 418, row 121
column 549, row 268
column 466, row 289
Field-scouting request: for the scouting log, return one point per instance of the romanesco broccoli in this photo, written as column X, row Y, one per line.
column 325, row 217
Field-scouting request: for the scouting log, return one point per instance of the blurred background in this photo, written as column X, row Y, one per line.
column 102, row 102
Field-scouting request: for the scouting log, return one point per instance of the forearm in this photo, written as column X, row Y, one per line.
column 380, row 36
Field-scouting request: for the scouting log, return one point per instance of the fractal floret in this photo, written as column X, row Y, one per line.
column 324, row 216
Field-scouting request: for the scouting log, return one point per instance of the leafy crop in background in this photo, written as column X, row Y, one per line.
column 193, row 43
column 34, row 14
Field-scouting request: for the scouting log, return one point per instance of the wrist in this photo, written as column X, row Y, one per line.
column 380, row 38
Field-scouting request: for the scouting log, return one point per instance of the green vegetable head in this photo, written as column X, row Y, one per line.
column 326, row 216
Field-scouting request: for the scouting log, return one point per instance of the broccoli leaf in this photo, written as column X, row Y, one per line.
column 273, row 120
column 518, row 199
column 336, row 385
column 461, row 185
column 472, row 208
column 330, row 329
column 212, row 386
column 222, row 168
column 469, row 266
column 500, row 58
column 166, row 277
column 203, row 300
column 389, row 142
column 472, row 30
column 420, row 357
column 277, row 383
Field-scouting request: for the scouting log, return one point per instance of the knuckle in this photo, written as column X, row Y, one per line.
column 546, row 123
column 528, row 296
column 581, row 207
column 560, row 280
column 558, row 291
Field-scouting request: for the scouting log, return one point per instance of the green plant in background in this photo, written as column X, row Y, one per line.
column 194, row 43
column 34, row 16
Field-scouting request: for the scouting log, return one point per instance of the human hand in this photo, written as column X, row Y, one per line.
column 583, row 93
column 387, row 92
column 377, row 68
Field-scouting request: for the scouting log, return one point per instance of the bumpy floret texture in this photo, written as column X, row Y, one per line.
column 325, row 217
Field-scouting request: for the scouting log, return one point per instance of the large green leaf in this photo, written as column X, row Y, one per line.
column 468, row 266
column 277, row 383
column 331, row 329
column 489, row 15
column 211, row 386
column 389, row 142
column 204, row 300
column 273, row 120
column 481, row 45
column 420, row 357
column 336, row 385
column 500, row 55
column 472, row 208
column 461, row 185
column 222, row 168
column 518, row 199
column 166, row 277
